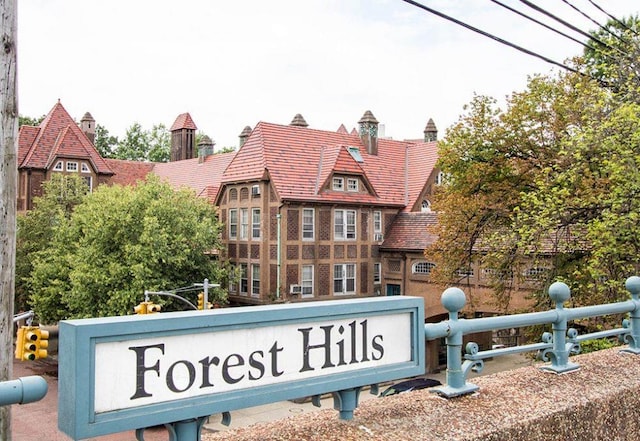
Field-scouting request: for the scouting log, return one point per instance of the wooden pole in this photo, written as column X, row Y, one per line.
column 8, row 188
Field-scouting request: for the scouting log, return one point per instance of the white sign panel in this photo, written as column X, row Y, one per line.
column 146, row 371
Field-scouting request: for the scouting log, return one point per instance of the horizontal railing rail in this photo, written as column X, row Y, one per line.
column 556, row 346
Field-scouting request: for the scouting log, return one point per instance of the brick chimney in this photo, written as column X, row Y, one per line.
column 205, row 148
column 244, row 135
column 88, row 126
column 369, row 132
column 298, row 121
column 430, row 131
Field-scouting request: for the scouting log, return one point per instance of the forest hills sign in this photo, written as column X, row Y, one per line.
column 134, row 372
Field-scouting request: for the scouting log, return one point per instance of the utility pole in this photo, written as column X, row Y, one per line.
column 8, row 188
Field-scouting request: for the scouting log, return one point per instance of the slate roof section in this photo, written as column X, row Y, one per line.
column 300, row 160
column 129, row 172
column 202, row 177
column 183, row 121
column 57, row 135
column 410, row 232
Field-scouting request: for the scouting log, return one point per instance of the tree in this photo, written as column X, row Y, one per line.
column 552, row 181
column 143, row 145
column 612, row 56
column 104, row 142
column 36, row 228
column 121, row 241
column 29, row 121
column 159, row 144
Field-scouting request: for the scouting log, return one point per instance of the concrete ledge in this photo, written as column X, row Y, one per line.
column 600, row 401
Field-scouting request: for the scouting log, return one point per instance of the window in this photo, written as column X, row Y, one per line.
column 464, row 272
column 84, row 168
column 355, row 153
column 377, row 221
column 244, row 282
column 536, row 273
column 233, row 223
column 72, row 166
column 255, row 223
column 440, row 178
column 58, row 166
column 308, row 223
column 307, row 280
column 344, row 224
column 88, row 182
column 352, row 184
column 377, row 273
column 244, row 223
column 255, row 280
column 426, row 206
column 344, row 279
column 233, row 194
column 423, row 268
column 338, row 184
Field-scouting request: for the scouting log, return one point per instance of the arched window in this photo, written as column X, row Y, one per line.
column 233, row 194
column 424, row 268
column 426, row 206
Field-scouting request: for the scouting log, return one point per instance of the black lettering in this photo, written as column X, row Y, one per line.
column 306, row 347
column 340, row 344
column 256, row 365
column 206, row 364
column 274, row 359
column 192, row 376
column 377, row 347
column 354, row 359
column 229, row 364
column 141, row 368
column 365, row 356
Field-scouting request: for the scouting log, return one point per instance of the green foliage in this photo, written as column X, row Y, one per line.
column 29, row 121
column 36, row 228
column 120, row 242
column 597, row 345
column 551, row 181
column 142, row 145
column 104, row 142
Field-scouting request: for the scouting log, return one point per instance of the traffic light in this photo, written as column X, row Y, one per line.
column 201, row 304
column 147, row 308
column 31, row 343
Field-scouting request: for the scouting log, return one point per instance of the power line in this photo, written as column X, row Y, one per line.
column 569, row 25
column 493, row 37
column 543, row 24
column 593, row 21
column 621, row 23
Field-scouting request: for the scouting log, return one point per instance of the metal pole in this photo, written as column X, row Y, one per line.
column 206, row 293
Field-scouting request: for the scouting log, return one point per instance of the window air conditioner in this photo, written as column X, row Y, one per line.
column 295, row 289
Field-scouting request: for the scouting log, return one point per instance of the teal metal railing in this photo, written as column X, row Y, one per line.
column 556, row 346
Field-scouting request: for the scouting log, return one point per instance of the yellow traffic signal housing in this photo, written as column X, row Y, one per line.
column 147, row 308
column 201, row 305
column 31, row 343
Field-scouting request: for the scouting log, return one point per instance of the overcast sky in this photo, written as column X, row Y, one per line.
column 236, row 62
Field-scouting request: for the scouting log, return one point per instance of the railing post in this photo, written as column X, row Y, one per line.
column 453, row 300
column 633, row 338
column 560, row 293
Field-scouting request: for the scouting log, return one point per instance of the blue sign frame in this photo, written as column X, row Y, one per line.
column 77, row 360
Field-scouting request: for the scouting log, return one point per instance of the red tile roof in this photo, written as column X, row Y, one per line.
column 57, row 135
column 203, row 177
column 410, row 232
column 299, row 161
column 129, row 172
column 183, row 121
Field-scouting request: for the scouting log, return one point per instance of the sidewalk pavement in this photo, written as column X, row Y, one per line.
column 39, row 421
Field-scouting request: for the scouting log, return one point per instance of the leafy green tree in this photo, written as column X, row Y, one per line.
column 144, row 145
column 36, row 228
column 122, row 241
column 159, row 144
column 29, row 121
column 551, row 181
column 104, row 142
column 612, row 56
column 135, row 145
